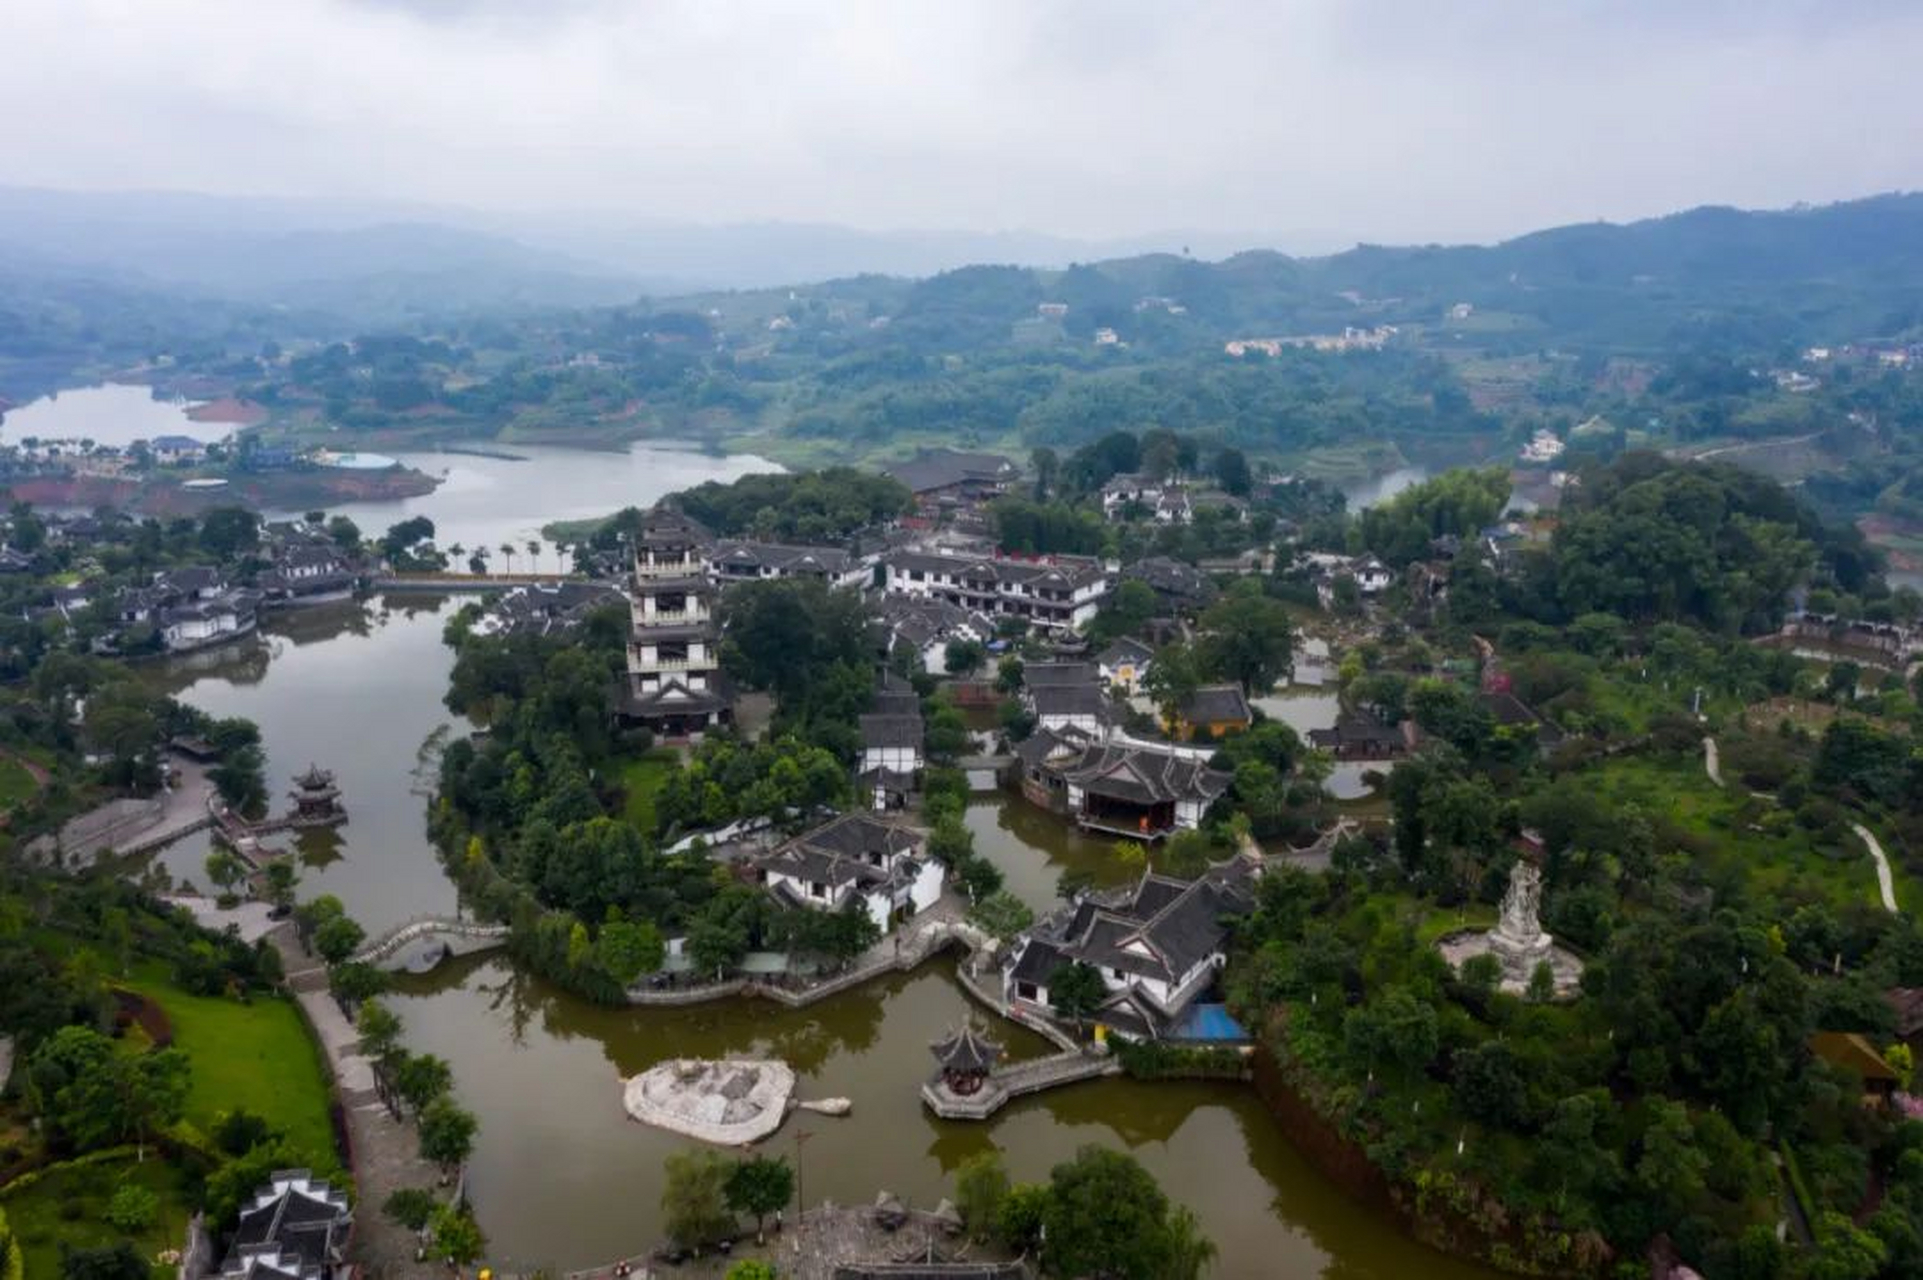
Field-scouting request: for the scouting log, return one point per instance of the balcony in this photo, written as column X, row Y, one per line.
column 673, row 617
column 640, row 666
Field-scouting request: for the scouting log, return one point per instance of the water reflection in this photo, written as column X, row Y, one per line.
column 1034, row 848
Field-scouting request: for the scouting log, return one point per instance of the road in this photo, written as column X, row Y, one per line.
column 1885, row 882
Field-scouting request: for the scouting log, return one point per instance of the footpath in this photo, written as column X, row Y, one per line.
column 383, row 1151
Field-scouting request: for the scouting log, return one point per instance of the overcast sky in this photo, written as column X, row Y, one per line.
column 1373, row 119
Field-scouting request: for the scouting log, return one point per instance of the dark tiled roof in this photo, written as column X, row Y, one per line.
column 1216, row 703
column 1038, row 674
column 1145, row 777
column 933, row 469
column 1068, row 700
column 1127, row 651
column 966, row 1050
column 883, row 730
column 781, row 558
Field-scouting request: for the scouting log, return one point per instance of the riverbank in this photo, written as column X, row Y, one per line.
column 166, row 495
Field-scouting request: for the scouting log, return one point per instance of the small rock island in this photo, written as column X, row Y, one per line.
column 727, row 1101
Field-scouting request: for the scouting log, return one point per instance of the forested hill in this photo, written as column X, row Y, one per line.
column 1785, row 275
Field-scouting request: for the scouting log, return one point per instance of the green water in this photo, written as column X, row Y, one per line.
column 561, row 1177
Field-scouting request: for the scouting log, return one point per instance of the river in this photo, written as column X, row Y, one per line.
column 559, row 1177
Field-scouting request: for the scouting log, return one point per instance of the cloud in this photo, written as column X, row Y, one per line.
column 1381, row 119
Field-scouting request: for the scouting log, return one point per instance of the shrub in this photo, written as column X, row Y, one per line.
column 132, row 1209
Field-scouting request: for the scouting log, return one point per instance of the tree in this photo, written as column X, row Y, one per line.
column 759, row 1186
column 1047, row 467
column 355, row 981
column 694, row 1199
column 225, row 870
column 1106, row 1217
column 422, row 1077
column 1075, row 991
column 345, row 533
column 446, row 1133
column 1247, row 638
column 379, row 1029
column 282, row 878
column 981, row 1186
column 107, row 1262
column 338, row 938
column 1232, row 472
column 1001, row 915
column 1671, row 1166
column 457, row 1237
column 628, row 950
column 132, row 1209
column 95, row 1095
column 412, row 1207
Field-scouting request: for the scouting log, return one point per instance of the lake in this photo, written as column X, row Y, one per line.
column 560, row 1177
column 113, row 413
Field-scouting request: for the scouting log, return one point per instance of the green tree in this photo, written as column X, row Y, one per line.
column 1106, row 1217
column 1247, row 638
column 338, row 938
column 981, row 1187
column 422, row 1077
column 411, row 1207
column 457, row 1237
column 1672, row 1166
column 758, row 1187
column 694, row 1198
column 132, row 1209
column 1001, row 915
column 96, row 1096
column 282, row 878
column 225, row 870
column 627, row 950
column 1076, row 991
column 106, row 1262
column 379, row 1029
column 446, row 1133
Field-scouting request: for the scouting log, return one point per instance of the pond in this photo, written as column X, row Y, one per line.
column 561, row 1177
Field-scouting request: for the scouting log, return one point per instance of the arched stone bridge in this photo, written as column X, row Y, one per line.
column 457, row 938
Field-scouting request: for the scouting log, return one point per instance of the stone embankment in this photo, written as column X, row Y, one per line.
column 1006, row 1084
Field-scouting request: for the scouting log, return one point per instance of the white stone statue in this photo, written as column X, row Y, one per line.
column 1521, row 919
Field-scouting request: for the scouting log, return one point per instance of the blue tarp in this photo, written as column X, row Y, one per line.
column 1208, row 1022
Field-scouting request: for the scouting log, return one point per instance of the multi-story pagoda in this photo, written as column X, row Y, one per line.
column 675, row 686
column 317, row 801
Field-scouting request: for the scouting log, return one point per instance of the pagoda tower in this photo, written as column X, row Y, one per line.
column 675, row 686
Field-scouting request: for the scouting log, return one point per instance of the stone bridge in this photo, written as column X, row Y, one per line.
column 1006, row 1084
column 457, row 938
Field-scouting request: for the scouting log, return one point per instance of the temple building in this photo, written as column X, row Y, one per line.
column 964, row 1059
column 317, row 801
column 295, row 1227
column 675, row 686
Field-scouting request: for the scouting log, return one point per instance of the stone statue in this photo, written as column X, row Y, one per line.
column 1521, row 919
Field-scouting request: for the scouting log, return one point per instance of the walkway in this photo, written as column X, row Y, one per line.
column 383, row 1151
column 1885, row 881
column 1712, row 761
column 124, row 827
column 931, row 932
column 1004, row 1085
column 460, row 937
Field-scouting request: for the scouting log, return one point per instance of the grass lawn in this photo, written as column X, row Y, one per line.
column 1781, row 858
column 16, row 784
column 641, row 780
column 69, row 1207
column 257, row 1057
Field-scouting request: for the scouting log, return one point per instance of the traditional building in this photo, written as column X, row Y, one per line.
column 1363, row 738
column 1123, row 787
column 1056, row 595
column 1124, row 664
column 964, row 1058
column 1218, row 709
column 762, row 561
column 295, row 1228
column 1157, row 945
column 937, row 476
column 855, row 858
column 317, row 801
column 675, row 686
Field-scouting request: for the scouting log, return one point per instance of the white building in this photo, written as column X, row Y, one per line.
column 1052, row 595
column 855, row 858
column 1157, row 946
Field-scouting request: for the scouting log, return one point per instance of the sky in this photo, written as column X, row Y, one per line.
column 1375, row 120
